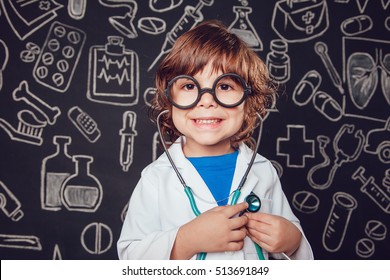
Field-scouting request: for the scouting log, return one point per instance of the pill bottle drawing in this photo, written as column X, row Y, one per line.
column 82, row 191
column 338, row 220
column 56, row 168
column 278, row 62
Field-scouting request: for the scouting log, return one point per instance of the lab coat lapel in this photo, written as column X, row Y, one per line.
column 243, row 159
column 203, row 197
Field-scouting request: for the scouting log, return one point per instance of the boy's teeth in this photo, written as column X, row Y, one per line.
column 206, row 121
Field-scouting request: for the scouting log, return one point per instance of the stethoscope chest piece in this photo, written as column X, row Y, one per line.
column 254, row 203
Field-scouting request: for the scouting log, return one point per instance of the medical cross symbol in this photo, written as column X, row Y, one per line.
column 295, row 146
column 307, row 18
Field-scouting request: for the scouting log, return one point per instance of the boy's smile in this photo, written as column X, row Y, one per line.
column 208, row 127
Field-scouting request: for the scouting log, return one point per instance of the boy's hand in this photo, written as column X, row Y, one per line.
column 216, row 230
column 273, row 233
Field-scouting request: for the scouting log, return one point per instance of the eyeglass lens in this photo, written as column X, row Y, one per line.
column 228, row 90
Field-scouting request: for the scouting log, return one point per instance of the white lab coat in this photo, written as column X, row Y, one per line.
column 159, row 206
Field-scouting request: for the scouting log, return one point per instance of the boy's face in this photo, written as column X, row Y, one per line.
column 208, row 127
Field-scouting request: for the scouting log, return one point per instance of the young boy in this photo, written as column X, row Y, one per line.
column 212, row 86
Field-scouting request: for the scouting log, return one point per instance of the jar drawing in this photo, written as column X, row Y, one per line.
column 56, row 168
column 244, row 29
column 82, row 191
column 278, row 62
column 338, row 220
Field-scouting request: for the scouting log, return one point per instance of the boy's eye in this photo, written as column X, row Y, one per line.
column 189, row 86
column 224, row 87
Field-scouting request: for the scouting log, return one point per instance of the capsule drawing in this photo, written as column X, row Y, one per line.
column 338, row 220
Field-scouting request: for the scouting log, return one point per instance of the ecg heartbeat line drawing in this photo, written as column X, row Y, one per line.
column 120, row 77
column 119, row 63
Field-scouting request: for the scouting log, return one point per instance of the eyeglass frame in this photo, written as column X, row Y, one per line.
column 201, row 91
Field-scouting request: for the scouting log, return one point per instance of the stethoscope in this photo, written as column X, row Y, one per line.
column 254, row 202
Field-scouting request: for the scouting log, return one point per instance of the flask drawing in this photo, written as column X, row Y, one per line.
column 244, row 29
column 278, row 62
column 82, row 191
column 56, row 168
column 338, row 220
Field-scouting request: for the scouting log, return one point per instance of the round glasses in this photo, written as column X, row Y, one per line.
column 229, row 90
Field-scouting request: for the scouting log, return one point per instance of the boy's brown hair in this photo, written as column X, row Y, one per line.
column 211, row 41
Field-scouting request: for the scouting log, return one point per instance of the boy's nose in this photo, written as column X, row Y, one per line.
column 207, row 100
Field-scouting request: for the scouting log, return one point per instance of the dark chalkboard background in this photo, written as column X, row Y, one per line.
column 65, row 66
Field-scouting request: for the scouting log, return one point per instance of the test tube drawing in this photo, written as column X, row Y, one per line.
column 370, row 188
column 9, row 204
column 127, row 134
column 338, row 221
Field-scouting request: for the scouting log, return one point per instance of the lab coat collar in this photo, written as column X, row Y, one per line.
column 196, row 183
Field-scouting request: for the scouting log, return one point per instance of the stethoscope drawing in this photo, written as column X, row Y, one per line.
column 254, row 202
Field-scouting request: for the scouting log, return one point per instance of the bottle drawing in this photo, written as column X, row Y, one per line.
column 56, row 168
column 82, row 191
column 278, row 62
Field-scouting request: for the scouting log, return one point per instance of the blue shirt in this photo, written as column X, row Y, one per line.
column 217, row 172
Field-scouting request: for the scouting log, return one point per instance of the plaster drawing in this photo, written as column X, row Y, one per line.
column 84, row 123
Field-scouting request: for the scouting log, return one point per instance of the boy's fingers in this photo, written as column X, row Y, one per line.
column 232, row 210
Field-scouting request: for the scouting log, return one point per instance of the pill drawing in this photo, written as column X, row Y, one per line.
column 365, row 248
column 327, row 106
column 96, row 238
column 338, row 221
column 356, row 25
column 306, row 202
column 59, row 57
column 306, row 88
column 375, row 230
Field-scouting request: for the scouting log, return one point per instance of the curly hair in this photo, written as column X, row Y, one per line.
column 211, row 42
